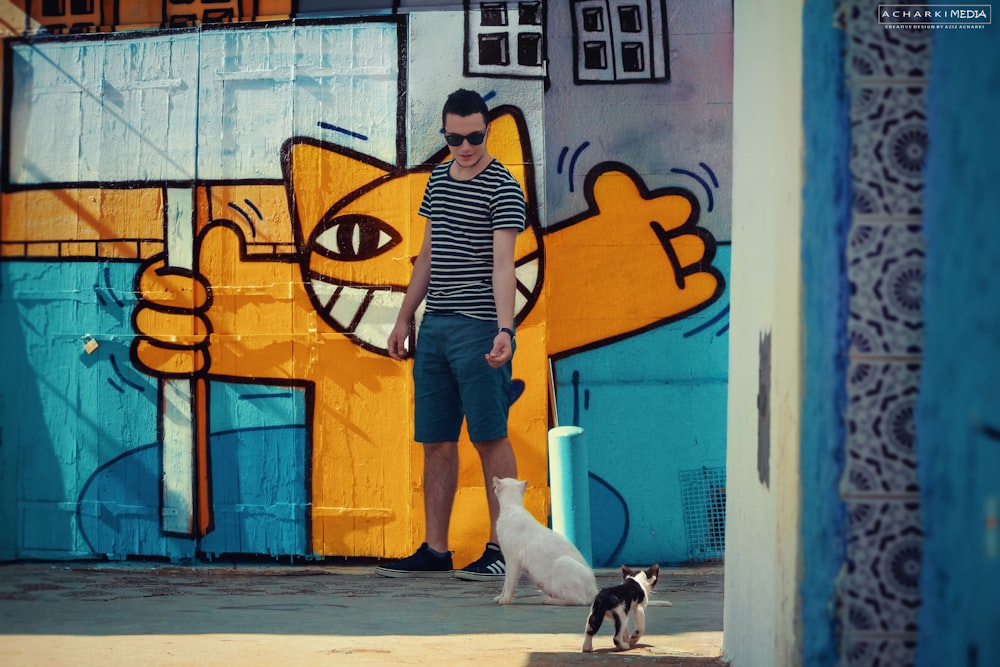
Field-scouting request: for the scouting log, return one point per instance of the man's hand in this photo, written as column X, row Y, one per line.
column 399, row 341
column 502, row 350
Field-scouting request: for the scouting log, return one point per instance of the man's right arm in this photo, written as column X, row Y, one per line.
column 415, row 293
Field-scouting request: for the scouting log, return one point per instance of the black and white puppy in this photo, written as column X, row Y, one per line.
column 618, row 603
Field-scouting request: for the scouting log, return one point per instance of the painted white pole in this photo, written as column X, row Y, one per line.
column 177, row 414
column 569, row 484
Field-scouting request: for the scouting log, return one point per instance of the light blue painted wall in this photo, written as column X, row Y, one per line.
column 84, row 479
column 826, row 200
column 958, row 414
column 66, row 413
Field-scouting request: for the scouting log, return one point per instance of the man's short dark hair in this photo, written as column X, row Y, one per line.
column 464, row 102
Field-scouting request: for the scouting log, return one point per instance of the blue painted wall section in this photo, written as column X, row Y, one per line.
column 66, row 407
column 668, row 419
column 958, row 417
column 826, row 201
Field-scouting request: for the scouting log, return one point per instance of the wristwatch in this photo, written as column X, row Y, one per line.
column 509, row 332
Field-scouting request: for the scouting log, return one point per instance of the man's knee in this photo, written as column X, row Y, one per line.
column 440, row 450
column 491, row 444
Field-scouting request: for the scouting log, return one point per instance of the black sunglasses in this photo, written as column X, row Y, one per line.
column 475, row 138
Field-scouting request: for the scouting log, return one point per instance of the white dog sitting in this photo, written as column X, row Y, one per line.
column 552, row 562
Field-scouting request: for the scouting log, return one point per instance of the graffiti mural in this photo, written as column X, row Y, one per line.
column 206, row 234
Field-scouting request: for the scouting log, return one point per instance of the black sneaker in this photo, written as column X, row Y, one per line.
column 424, row 563
column 489, row 567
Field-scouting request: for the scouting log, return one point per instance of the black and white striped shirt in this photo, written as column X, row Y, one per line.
column 463, row 215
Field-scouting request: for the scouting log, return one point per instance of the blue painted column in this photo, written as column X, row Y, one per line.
column 958, row 409
column 826, row 216
column 569, row 484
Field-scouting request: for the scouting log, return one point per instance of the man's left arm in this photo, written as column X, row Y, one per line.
column 504, row 292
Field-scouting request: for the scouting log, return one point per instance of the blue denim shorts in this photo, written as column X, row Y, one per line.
column 452, row 381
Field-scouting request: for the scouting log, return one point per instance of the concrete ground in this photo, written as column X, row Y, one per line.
column 106, row 614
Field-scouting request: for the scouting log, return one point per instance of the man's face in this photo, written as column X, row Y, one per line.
column 466, row 154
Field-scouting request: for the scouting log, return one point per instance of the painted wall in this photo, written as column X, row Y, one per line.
column 668, row 417
column 206, row 232
column 958, row 420
column 826, row 202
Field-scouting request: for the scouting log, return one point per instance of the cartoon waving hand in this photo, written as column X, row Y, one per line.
column 233, row 317
column 634, row 260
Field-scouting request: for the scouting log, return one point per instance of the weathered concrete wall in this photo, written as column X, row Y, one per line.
column 765, row 371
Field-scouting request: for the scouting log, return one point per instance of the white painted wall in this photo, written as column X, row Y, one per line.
column 762, row 519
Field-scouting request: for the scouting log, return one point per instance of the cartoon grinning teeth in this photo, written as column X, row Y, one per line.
column 527, row 281
column 368, row 314
column 348, row 305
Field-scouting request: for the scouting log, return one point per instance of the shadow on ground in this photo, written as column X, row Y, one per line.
column 308, row 614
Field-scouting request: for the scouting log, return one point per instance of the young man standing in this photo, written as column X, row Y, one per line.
column 475, row 209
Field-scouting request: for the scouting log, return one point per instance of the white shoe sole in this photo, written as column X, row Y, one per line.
column 415, row 574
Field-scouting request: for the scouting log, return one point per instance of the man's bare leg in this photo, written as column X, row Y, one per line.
column 497, row 457
column 440, row 484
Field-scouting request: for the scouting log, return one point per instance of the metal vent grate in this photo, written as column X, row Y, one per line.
column 703, row 498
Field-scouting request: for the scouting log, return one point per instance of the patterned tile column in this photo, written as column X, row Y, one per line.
column 887, row 76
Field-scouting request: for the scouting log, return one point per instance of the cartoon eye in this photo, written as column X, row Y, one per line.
column 355, row 237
